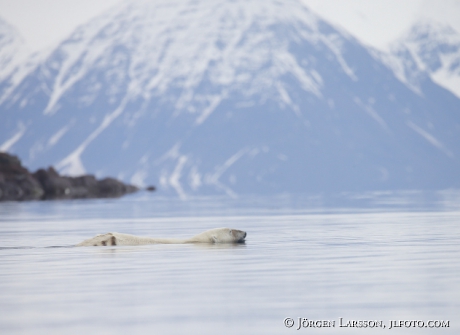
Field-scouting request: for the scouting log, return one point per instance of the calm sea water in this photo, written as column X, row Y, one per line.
column 375, row 256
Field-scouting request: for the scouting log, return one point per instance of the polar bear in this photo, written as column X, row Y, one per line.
column 217, row 235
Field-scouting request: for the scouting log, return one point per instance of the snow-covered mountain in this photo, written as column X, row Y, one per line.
column 430, row 49
column 16, row 61
column 231, row 96
column 10, row 45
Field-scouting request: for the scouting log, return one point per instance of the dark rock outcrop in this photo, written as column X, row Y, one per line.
column 17, row 184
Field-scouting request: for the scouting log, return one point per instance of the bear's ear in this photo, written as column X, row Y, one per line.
column 214, row 238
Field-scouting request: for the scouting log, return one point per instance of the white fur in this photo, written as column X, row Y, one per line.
column 217, row 235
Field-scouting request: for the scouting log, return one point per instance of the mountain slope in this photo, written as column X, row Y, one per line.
column 10, row 45
column 16, row 62
column 236, row 97
column 429, row 49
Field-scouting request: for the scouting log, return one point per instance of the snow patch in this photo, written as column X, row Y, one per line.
column 138, row 178
column 194, row 178
column 8, row 144
column 287, row 99
column 56, row 137
column 334, row 43
column 371, row 112
column 72, row 164
column 213, row 179
column 430, row 138
column 215, row 101
column 448, row 75
column 174, row 179
column 402, row 68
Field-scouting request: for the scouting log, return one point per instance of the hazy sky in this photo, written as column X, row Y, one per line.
column 376, row 22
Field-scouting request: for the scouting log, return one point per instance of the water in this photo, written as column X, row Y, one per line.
column 380, row 256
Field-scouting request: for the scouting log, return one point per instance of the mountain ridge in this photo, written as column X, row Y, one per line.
column 426, row 49
column 235, row 97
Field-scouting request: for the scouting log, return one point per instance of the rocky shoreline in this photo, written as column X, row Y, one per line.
column 18, row 184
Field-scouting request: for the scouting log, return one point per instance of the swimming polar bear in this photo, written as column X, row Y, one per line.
column 217, row 235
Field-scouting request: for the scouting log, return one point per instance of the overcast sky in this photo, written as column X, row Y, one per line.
column 43, row 23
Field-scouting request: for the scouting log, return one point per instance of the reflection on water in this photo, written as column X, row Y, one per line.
column 359, row 257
